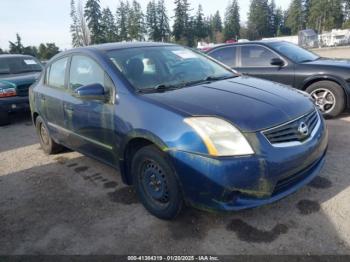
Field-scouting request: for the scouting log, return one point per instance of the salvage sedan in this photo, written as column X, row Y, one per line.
column 180, row 127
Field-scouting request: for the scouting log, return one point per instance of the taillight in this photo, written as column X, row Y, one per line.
column 6, row 92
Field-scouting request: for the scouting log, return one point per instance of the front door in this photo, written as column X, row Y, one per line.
column 255, row 60
column 91, row 122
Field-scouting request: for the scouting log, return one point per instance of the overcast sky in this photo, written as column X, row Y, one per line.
column 42, row 21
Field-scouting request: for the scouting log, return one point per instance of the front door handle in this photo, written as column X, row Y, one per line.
column 68, row 107
column 42, row 97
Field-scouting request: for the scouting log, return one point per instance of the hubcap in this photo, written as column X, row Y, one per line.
column 324, row 99
column 154, row 182
column 44, row 135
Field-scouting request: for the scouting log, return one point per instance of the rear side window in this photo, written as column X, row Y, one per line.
column 226, row 55
column 85, row 71
column 256, row 56
column 57, row 72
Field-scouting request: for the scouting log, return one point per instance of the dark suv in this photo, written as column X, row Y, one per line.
column 326, row 80
column 17, row 73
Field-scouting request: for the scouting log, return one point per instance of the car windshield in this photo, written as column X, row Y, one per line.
column 294, row 52
column 166, row 67
column 18, row 65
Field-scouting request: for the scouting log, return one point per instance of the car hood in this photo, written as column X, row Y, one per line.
column 250, row 104
column 330, row 62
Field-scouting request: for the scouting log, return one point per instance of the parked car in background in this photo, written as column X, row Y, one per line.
column 17, row 73
column 326, row 80
column 179, row 126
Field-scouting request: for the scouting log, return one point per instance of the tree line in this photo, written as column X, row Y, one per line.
column 42, row 52
column 92, row 24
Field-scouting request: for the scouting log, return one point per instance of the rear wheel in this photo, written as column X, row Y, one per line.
column 47, row 144
column 156, row 183
column 328, row 96
column 4, row 118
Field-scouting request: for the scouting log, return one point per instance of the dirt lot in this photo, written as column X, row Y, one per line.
column 338, row 52
column 71, row 204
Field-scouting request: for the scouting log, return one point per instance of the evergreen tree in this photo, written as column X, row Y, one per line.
column 93, row 16
column 163, row 21
column 136, row 26
column 1, row 51
column 217, row 22
column 272, row 20
column 47, row 51
column 296, row 18
column 30, row 50
column 346, row 12
column 232, row 21
column 258, row 19
column 200, row 28
column 122, row 20
column 325, row 14
column 108, row 27
column 183, row 25
column 16, row 47
column 152, row 22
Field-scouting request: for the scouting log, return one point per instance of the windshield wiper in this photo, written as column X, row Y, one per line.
column 158, row 88
column 217, row 78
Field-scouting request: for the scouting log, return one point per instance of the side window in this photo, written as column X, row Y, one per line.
column 226, row 55
column 256, row 56
column 85, row 71
column 56, row 73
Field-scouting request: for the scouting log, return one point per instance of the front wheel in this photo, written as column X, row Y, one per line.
column 156, row 183
column 47, row 144
column 328, row 96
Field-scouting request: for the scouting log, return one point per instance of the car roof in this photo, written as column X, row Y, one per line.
column 261, row 42
column 13, row 55
column 122, row 45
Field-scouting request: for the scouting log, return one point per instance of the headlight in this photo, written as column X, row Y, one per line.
column 220, row 137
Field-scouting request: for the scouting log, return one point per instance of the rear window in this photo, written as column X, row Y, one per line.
column 18, row 65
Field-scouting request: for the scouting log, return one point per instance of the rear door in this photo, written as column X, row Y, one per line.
column 255, row 60
column 90, row 122
column 51, row 95
column 226, row 55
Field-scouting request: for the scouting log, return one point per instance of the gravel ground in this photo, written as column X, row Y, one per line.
column 71, row 204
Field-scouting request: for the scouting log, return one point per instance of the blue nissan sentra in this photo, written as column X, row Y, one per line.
column 180, row 126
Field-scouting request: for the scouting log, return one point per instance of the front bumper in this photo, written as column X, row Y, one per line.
column 234, row 183
column 14, row 103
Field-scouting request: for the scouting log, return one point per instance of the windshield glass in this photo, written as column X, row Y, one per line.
column 18, row 65
column 294, row 52
column 166, row 67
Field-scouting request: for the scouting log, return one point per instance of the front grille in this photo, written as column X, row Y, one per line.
column 22, row 90
column 291, row 131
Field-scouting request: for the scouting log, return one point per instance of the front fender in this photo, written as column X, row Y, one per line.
column 322, row 77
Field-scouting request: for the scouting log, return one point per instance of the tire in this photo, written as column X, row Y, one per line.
column 335, row 94
column 4, row 118
column 47, row 144
column 156, row 183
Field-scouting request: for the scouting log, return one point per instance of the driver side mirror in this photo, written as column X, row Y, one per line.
column 90, row 92
column 277, row 62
